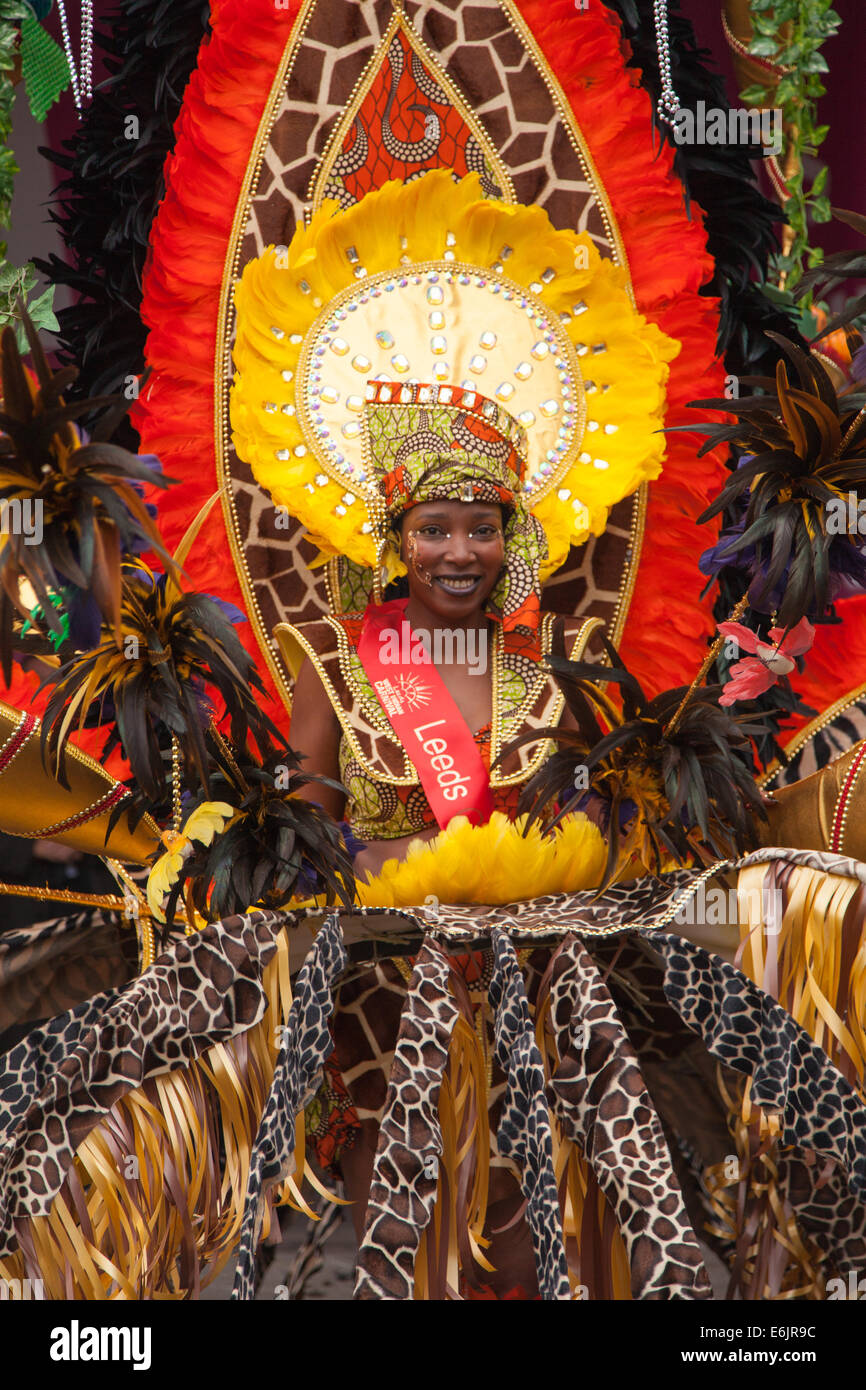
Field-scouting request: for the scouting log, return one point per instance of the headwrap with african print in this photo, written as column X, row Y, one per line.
column 432, row 443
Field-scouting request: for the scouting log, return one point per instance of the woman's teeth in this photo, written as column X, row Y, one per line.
column 457, row 586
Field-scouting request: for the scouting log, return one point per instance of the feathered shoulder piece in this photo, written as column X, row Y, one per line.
column 668, row 779
column 803, row 460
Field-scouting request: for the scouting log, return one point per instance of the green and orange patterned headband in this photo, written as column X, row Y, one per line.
column 431, row 443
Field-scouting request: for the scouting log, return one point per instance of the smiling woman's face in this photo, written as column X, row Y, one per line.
column 454, row 553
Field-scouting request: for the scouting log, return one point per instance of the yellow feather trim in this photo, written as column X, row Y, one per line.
column 492, row 863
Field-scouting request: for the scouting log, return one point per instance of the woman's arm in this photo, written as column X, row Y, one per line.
column 315, row 735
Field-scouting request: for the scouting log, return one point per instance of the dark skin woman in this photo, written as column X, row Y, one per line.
column 454, row 553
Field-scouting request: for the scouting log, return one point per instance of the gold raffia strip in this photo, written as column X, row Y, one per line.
column 112, row 1236
column 805, row 959
column 751, row 1212
column 464, row 1122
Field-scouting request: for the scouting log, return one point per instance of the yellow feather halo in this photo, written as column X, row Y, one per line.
column 428, row 281
column 492, row 863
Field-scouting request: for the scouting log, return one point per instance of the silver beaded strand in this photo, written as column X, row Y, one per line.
column 668, row 103
column 82, row 82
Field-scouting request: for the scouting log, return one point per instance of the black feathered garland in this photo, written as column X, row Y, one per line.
column 740, row 222
column 114, row 184
column 741, row 235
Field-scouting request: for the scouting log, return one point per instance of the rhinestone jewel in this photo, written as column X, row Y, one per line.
column 549, row 408
column 540, row 351
column 527, row 418
column 487, row 340
column 438, row 344
column 339, row 346
column 504, row 391
column 355, row 403
column 361, row 363
column 523, row 371
column 329, row 395
column 435, row 295
column 287, row 375
column 384, row 338
column 436, row 319
column 477, row 363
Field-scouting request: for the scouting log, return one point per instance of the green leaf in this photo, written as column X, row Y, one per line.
column 777, row 296
column 820, row 182
column 754, row 96
column 41, row 310
column 764, row 47
column 816, row 63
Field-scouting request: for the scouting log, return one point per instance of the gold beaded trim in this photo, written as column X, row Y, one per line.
column 23, row 717
column 222, row 351
column 798, row 742
column 553, row 710
column 843, row 801
column 64, row 895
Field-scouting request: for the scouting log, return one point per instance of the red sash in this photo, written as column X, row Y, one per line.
column 425, row 717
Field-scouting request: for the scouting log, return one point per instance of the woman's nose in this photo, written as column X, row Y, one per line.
column 459, row 548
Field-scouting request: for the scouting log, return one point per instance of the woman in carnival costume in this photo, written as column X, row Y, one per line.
column 475, row 502
column 515, row 1030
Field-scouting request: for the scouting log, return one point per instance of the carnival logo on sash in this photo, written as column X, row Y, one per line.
column 408, row 694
